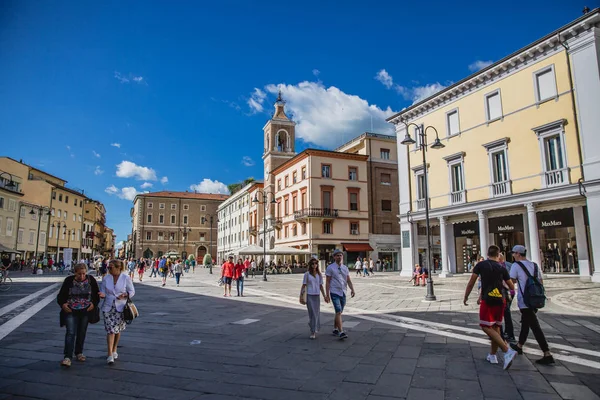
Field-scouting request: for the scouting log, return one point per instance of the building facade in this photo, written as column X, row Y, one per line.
column 10, row 198
column 383, row 194
column 182, row 223
column 234, row 221
column 109, row 243
column 520, row 162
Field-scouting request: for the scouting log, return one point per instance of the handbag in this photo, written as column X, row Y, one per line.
column 130, row 311
column 94, row 315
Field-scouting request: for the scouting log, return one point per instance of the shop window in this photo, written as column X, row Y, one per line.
column 327, row 227
column 354, row 228
column 493, row 106
column 544, row 82
column 386, row 205
column 553, row 152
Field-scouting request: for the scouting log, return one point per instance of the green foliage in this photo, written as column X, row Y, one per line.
column 207, row 259
column 235, row 187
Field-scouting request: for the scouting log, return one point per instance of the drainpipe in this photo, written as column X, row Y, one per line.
column 576, row 121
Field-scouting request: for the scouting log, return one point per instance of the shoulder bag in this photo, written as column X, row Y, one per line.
column 130, row 311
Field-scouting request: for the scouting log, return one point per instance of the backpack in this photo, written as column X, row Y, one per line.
column 534, row 295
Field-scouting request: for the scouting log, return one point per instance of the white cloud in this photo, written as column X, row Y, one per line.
column 146, row 185
column 126, row 193
column 385, row 78
column 129, row 78
column 247, row 161
column 210, row 186
column 117, row 145
column 95, row 154
column 127, row 169
column 70, row 152
column 256, row 100
column 316, row 72
column 164, row 180
column 419, row 93
column 68, row 147
column 329, row 117
column 479, row 65
column 98, row 171
column 138, row 79
column 121, row 78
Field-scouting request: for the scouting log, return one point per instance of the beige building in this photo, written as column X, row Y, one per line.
column 94, row 225
column 109, row 243
column 10, row 198
column 383, row 194
column 66, row 222
column 177, row 222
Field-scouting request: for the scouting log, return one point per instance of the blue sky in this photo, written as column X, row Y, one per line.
column 121, row 97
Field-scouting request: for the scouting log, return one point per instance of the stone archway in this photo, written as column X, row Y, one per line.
column 200, row 253
column 148, row 253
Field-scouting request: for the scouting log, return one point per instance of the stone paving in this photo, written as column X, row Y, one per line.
column 191, row 343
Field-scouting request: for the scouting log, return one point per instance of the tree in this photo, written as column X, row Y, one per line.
column 235, row 187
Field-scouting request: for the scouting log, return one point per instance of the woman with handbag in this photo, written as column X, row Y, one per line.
column 310, row 294
column 78, row 299
column 116, row 289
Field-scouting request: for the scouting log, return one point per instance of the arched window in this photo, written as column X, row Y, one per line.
column 282, row 141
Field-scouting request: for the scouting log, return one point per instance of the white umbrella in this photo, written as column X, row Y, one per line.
column 250, row 250
column 287, row 251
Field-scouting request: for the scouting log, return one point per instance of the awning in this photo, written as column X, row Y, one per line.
column 357, row 247
column 4, row 249
column 250, row 250
column 287, row 251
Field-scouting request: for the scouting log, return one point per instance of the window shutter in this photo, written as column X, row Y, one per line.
column 494, row 106
column 453, row 123
column 545, row 84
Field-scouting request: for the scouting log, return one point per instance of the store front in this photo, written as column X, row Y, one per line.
column 558, row 246
column 436, row 246
column 466, row 239
column 355, row 250
column 508, row 231
column 388, row 257
column 325, row 252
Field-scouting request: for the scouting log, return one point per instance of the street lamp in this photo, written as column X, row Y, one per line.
column 11, row 183
column 71, row 231
column 264, row 201
column 64, row 226
column 40, row 213
column 184, row 232
column 436, row 145
column 211, row 218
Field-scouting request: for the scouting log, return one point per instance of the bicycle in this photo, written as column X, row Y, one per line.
column 5, row 281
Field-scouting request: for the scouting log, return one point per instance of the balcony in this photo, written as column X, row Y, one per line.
column 253, row 230
column 277, row 223
column 499, row 189
column 312, row 212
column 420, row 204
column 457, row 197
column 557, row 177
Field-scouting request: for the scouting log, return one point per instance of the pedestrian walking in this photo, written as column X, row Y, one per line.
column 103, row 267
column 227, row 275
column 131, row 268
column 115, row 290
column 246, row 266
column 78, row 299
column 508, row 330
column 491, row 307
column 238, row 275
column 154, row 272
column 141, row 269
column 337, row 280
column 253, row 267
column 170, row 268
column 525, row 273
column 358, row 267
column 178, row 269
column 371, row 266
column 163, row 269
column 312, row 285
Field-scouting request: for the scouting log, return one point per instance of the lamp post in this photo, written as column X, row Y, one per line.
column 437, row 144
column 58, row 226
column 41, row 212
column 71, row 231
column 11, row 182
column 263, row 199
column 184, row 233
column 211, row 219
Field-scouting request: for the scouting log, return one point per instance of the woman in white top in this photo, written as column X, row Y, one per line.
column 358, row 266
column 115, row 289
column 313, row 285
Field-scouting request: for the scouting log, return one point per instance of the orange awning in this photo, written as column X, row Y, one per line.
column 356, row 247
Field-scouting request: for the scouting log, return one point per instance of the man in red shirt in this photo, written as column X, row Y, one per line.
column 246, row 266
column 227, row 275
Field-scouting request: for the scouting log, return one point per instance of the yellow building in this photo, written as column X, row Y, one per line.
column 10, row 196
column 94, row 225
column 514, row 168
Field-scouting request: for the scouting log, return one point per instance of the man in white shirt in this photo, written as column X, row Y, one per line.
column 528, row 316
column 338, row 278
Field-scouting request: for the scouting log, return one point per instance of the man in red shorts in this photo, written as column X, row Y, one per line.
column 491, row 307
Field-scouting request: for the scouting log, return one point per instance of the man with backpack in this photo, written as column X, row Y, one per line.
column 491, row 307
column 530, row 298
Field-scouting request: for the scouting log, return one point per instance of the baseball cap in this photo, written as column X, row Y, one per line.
column 519, row 249
column 337, row 251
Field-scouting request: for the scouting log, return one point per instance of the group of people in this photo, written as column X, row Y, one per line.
column 79, row 300
column 365, row 267
column 497, row 290
column 236, row 272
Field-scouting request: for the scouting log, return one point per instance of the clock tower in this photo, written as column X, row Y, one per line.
column 279, row 146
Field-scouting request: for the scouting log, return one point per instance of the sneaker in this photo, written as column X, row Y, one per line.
column 546, row 360
column 509, row 357
column 115, row 355
column 312, row 336
column 343, row 335
column 336, row 332
column 492, row 358
column 66, row 362
column 80, row 357
column 110, row 360
column 516, row 348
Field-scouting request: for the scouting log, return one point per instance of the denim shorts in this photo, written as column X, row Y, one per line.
column 227, row 280
column 339, row 302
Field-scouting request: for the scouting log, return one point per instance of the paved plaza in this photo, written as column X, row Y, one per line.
column 192, row 343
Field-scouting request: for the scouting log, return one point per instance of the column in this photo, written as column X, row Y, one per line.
column 444, row 244
column 582, row 243
column 533, row 251
column 525, row 231
column 483, row 232
column 593, row 209
column 409, row 242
